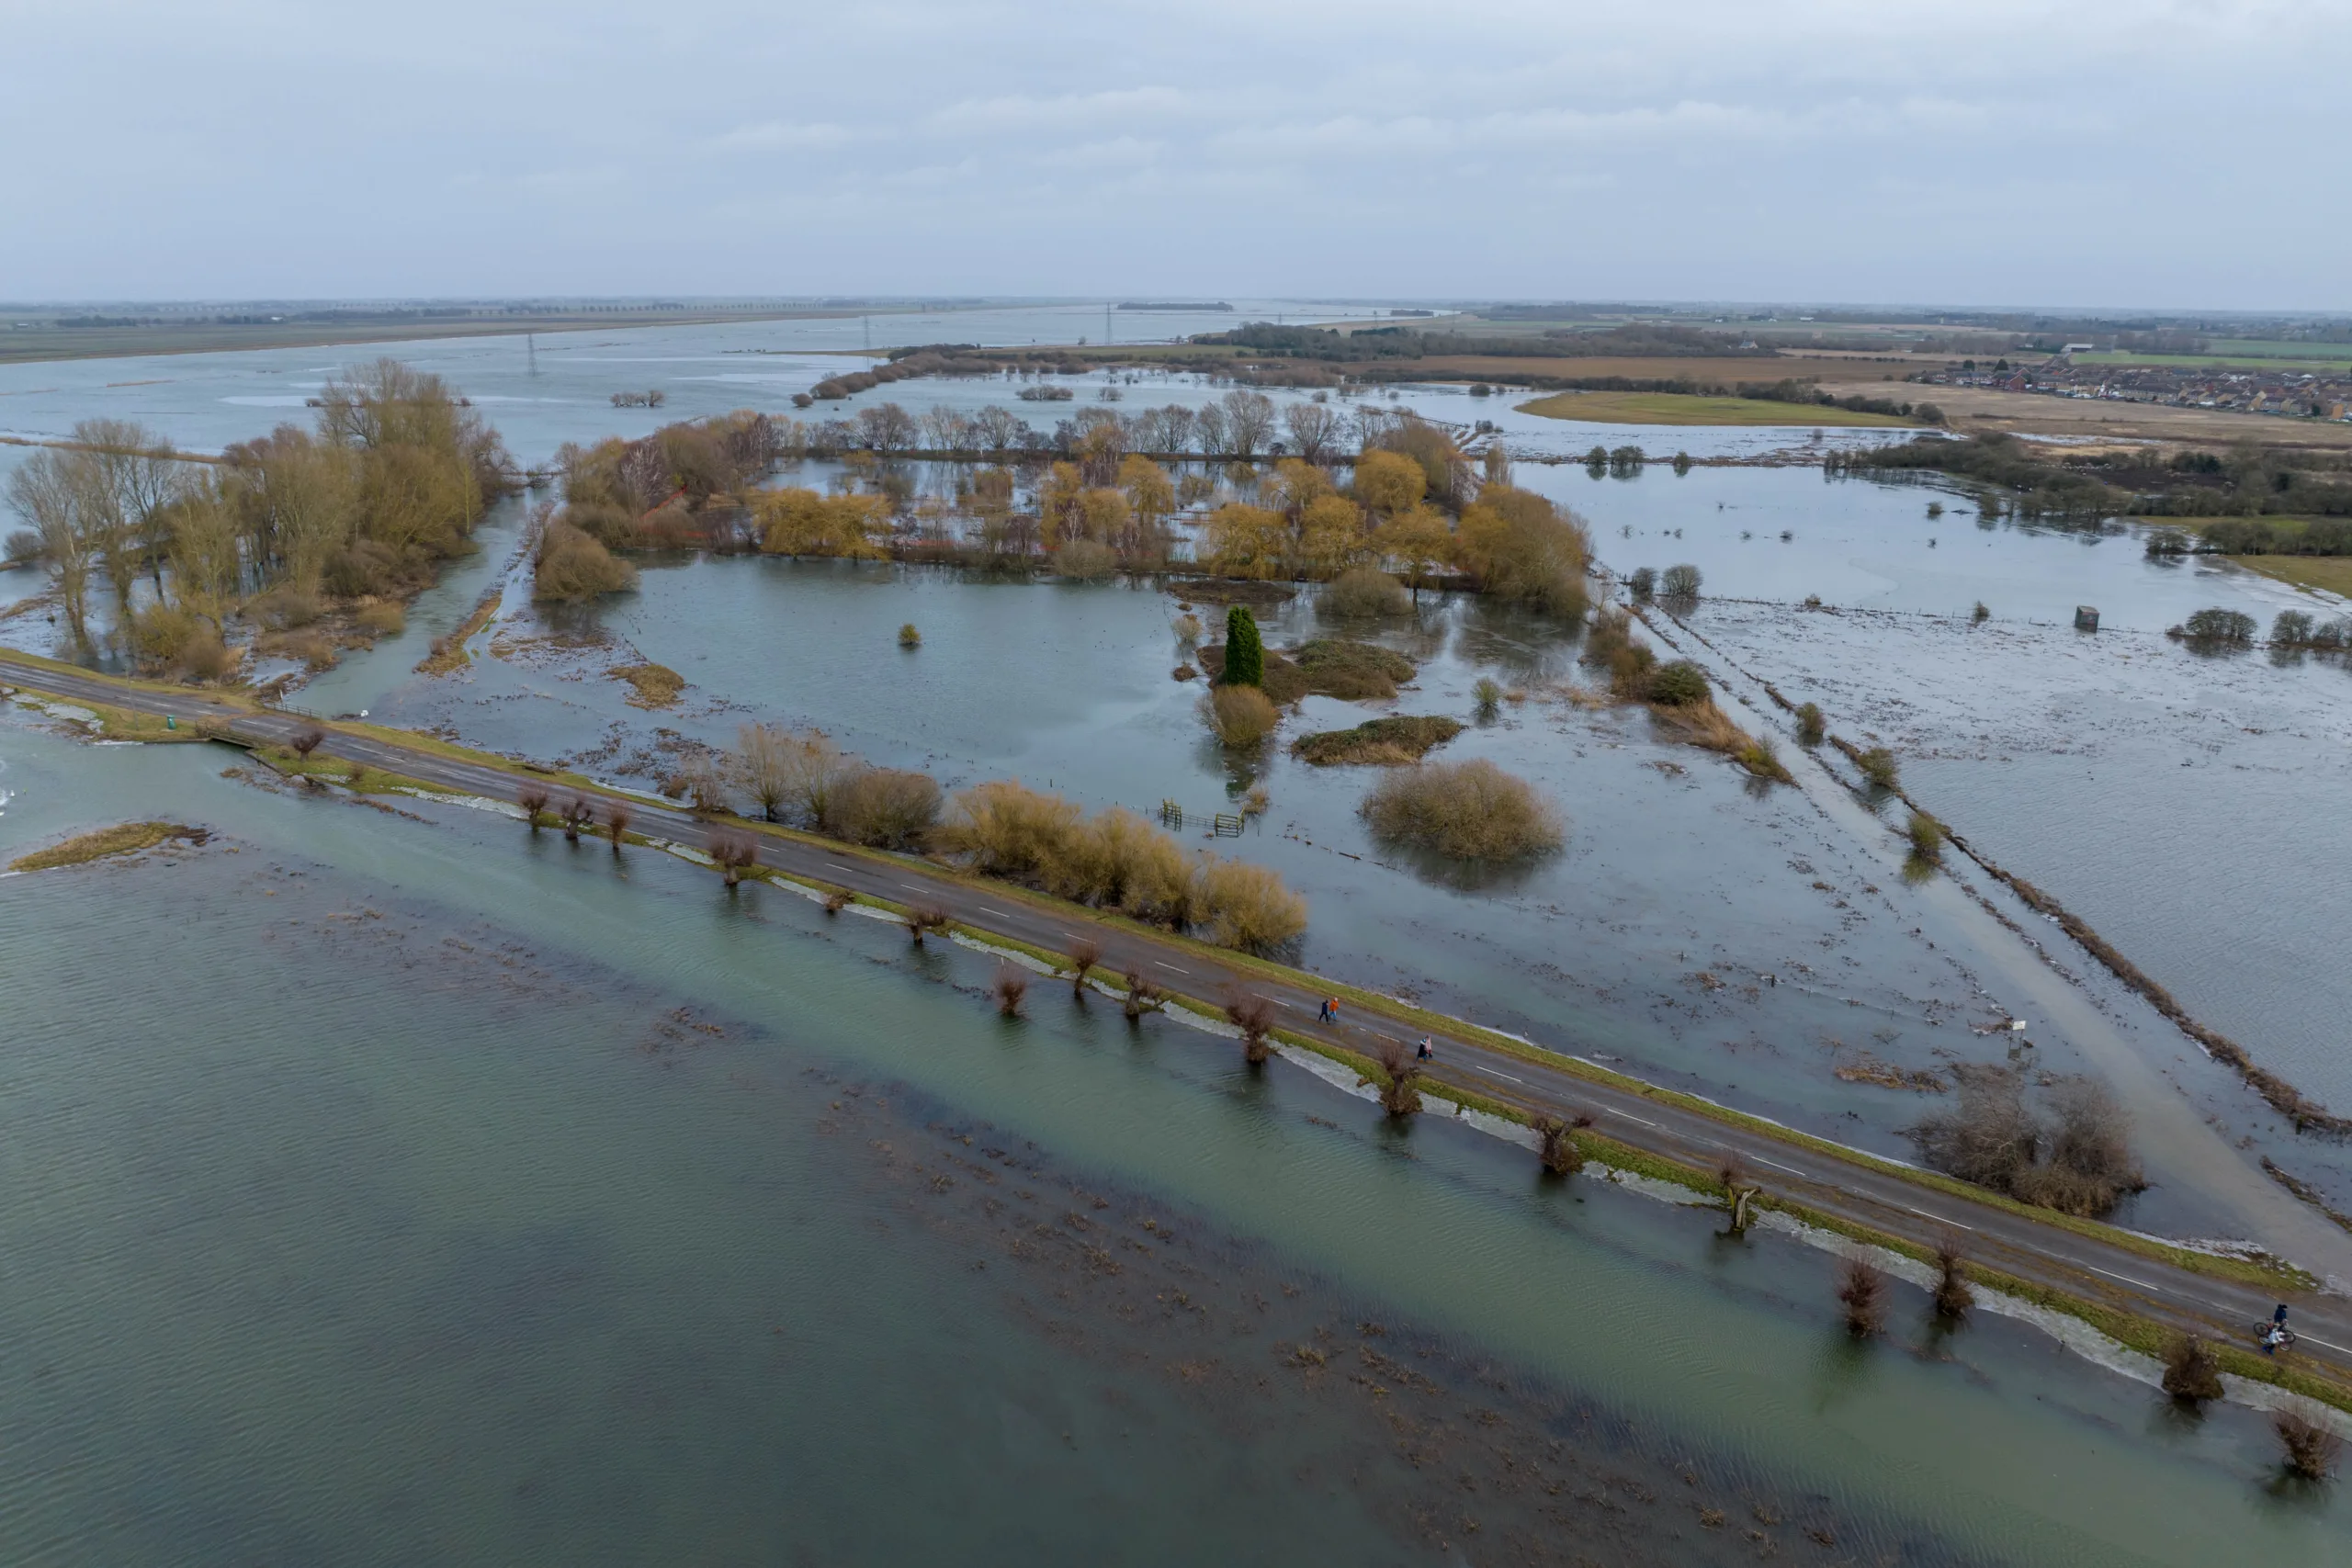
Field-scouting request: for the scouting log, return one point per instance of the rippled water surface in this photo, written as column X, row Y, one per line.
column 391, row 1187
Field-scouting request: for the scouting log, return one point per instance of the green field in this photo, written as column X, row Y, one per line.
column 2332, row 574
column 1683, row 407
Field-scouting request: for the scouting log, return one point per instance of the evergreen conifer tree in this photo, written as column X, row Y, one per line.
column 1245, row 655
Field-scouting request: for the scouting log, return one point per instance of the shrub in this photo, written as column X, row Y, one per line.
column 1011, row 986
column 1677, row 684
column 308, row 739
column 617, row 817
column 1560, row 1153
column 1002, row 828
column 23, row 547
column 1878, row 766
column 2291, row 629
column 285, row 608
column 1679, row 581
column 1085, row 952
column 1981, row 614
column 1401, row 1096
column 1643, row 584
column 2073, row 1156
column 908, row 636
column 532, row 799
column 921, row 918
column 2191, row 1373
column 1086, row 560
column 385, row 619
column 2311, row 1449
column 1953, row 1298
column 1926, row 836
column 1245, row 654
column 888, row 808
column 1471, row 811
column 2228, row 628
column 572, row 566
column 1488, row 695
column 1242, row 715
column 1254, row 1016
column 1811, row 727
column 1188, row 628
column 1245, row 906
column 732, row 852
column 1609, row 645
column 1862, row 1291
column 1366, row 591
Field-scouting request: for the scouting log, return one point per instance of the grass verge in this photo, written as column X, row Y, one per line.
column 123, row 839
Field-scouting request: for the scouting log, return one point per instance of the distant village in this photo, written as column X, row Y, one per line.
column 2290, row 395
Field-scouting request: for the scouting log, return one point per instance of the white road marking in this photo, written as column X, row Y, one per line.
column 2325, row 1345
column 1171, row 968
column 1493, row 1074
column 1776, row 1165
column 1631, row 1117
column 2127, row 1278
column 1941, row 1221
column 837, row 865
column 1000, row 914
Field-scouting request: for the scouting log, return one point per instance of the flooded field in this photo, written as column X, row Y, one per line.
column 648, row 1229
column 436, row 1190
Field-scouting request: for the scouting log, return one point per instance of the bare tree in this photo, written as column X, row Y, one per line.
column 1560, row 1154
column 1084, row 954
column 997, row 429
column 1314, row 431
column 1953, row 1297
column 618, row 818
column 887, row 428
column 533, row 800
column 2311, row 1449
column 2191, row 1373
column 578, row 813
column 786, row 771
column 921, row 918
column 1862, row 1290
column 306, row 740
column 1254, row 1016
column 44, row 492
column 733, row 853
column 1011, row 986
column 1402, row 1096
column 1142, row 995
column 1249, row 422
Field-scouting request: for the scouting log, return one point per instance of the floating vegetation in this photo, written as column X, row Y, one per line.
column 1381, row 742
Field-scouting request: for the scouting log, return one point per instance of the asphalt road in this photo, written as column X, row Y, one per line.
column 1851, row 1189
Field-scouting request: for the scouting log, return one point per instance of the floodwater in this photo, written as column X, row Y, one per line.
column 395, row 1185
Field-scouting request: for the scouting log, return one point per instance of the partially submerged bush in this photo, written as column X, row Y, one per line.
column 1677, row 684
column 1879, row 766
column 1953, row 1297
column 1240, row 716
column 1471, row 811
column 1086, row 559
column 1366, row 591
column 1011, row 986
column 2192, row 1375
column 1118, row 861
column 384, row 618
column 1406, row 737
column 1610, row 646
column 1811, row 728
column 1558, row 1148
column 1254, row 1016
column 908, row 636
column 1680, row 582
column 1401, row 1095
column 2072, row 1157
column 1862, row 1291
column 1643, row 584
column 1926, row 836
column 1488, row 695
column 2310, row 1448
column 2218, row 628
column 572, row 566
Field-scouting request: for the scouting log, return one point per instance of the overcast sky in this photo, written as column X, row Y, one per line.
column 1972, row 151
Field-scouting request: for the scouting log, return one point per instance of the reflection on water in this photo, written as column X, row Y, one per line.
column 431, row 1191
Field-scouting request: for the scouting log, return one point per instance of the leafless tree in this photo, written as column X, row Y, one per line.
column 1254, row 1016
column 1314, row 431
column 1953, row 1297
column 1402, row 1095
column 1560, row 1154
column 2311, row 1449
column 887, row 428
column 1011, row 986
column 306, row 740
column 733, row 853
column 2191, row 1373
column 1084, row 954
column 921, row 918
column 1142, row 995
column 1862, row 1290
column 533, row 800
